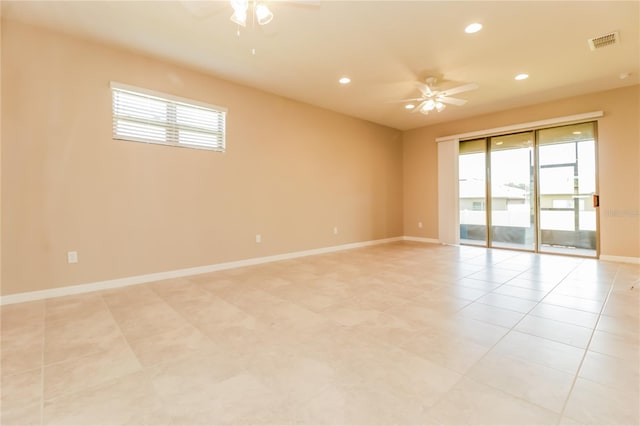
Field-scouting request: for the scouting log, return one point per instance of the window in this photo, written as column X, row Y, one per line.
column 144, row 116
column 477, row 206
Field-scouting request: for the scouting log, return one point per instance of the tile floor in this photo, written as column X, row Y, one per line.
column 403, row 333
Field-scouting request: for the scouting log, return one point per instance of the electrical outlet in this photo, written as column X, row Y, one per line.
column 72, row 257
column 419, row 224
column 258, row 238
column 335, row 230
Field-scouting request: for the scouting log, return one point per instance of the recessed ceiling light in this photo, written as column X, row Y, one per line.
column 409, row 106
column 473, row 28
column 499, row 143
column 577, row 133
column 522, row 76
column 344, row 80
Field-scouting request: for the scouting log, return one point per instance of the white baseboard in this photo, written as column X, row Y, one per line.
column 421, row 239
column 140, row 279
column 620, row 259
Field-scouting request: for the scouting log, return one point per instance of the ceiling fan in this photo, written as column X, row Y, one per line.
column 244, row 11
column 241, row 8
column 434, row 99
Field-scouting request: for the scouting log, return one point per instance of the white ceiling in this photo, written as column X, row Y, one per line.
column 384, row 46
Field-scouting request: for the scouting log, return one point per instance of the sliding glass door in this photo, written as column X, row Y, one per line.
column 530, row 191
column 472, row 188
column 567, row 184
column 511, row 186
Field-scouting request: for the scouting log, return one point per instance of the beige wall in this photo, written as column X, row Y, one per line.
column 0, row 151
column 291, row 171
column 618, row 155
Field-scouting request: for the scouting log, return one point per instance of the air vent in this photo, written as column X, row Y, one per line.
column 604, row 41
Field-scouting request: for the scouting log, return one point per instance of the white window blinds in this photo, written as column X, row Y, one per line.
column 144, row 116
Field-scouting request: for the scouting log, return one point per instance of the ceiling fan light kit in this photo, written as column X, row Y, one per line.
column 263, row 14
column 261, row 11
column 430, row 105
column 240, row 8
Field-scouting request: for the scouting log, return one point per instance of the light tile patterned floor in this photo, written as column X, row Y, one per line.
column 402, row 333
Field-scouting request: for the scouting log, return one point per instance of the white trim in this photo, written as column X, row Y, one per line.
column 524, row 126
column 421, row 239
column 620, row 259
column 140, row 279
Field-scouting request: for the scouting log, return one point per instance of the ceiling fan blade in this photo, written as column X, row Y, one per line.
column 452, row 101
column 418, row 107
column 424, row 89
column 406, row 100
column 459, row 89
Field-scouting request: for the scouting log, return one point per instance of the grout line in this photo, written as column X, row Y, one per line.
column 184, row 317
column 465, row 375
column 143, row 370
column 97, row 385
column 74, row 359
column 243, row 367
column 541, row 300
column 117, row 324
column 593, row 332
